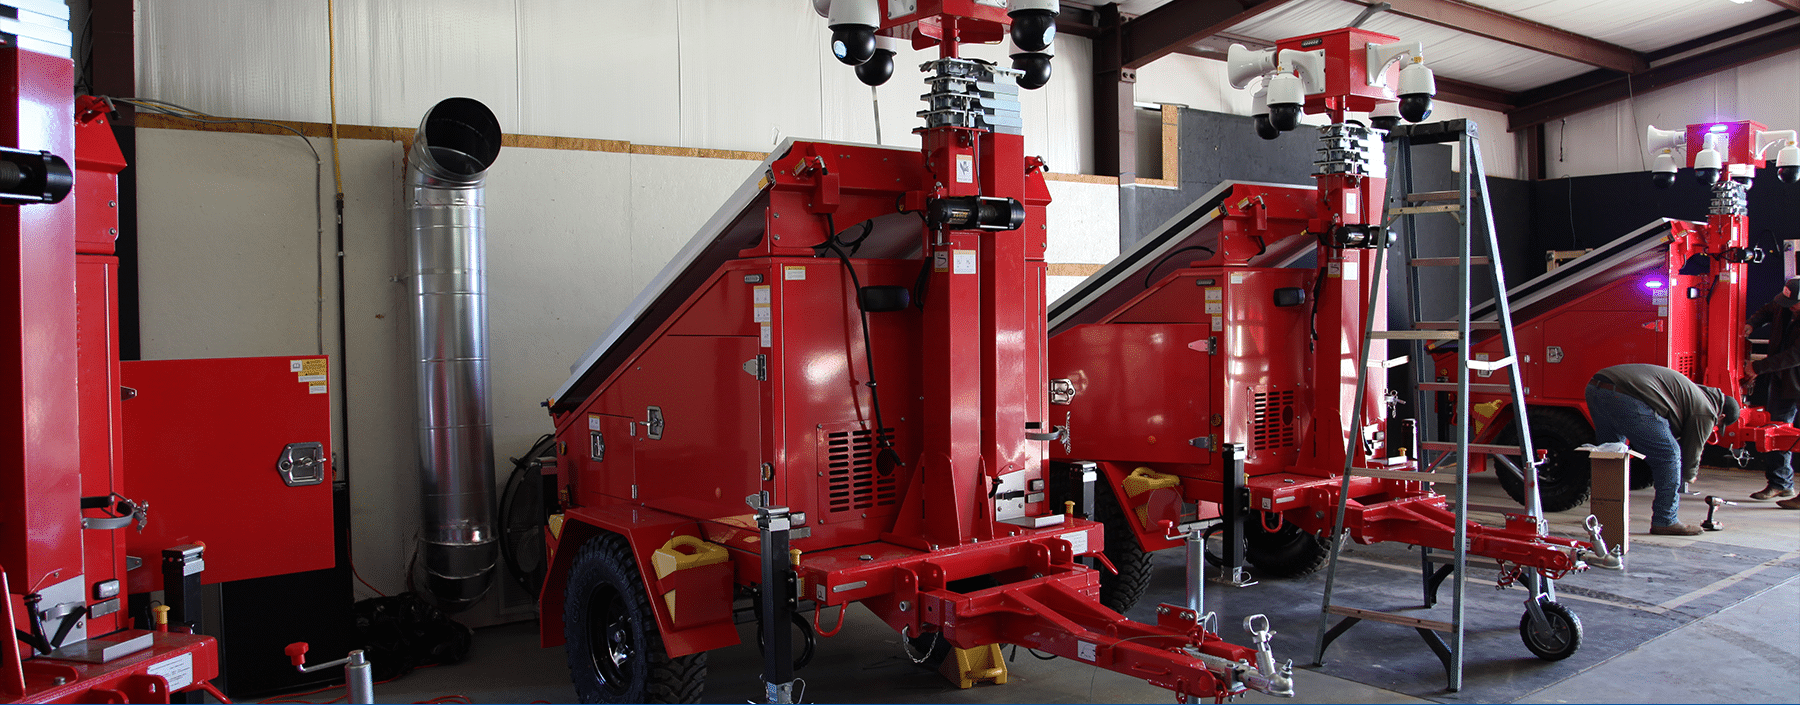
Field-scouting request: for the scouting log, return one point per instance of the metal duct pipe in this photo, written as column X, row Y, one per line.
column 451, row 153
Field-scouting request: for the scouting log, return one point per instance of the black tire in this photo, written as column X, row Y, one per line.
column 1562, row 639
column 1117, row 592
column 1287, row 552
column 1565, row 478
column 615, row 651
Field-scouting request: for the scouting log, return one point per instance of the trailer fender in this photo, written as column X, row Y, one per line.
column 646, row 530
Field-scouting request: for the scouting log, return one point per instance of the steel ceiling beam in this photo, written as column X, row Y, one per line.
column 1167, row 29
column 1517, row 31
column 1597, row 88
column 1789, row 4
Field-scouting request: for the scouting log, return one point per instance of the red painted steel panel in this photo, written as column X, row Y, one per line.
column 40, row 484
column 102, row 444
column 202, row 438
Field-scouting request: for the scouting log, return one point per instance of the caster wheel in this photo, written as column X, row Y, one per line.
column 1560, row 640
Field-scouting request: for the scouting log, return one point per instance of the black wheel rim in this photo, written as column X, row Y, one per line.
column 1554, row 637
column 610, row 632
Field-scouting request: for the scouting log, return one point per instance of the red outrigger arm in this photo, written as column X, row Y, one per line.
column 1054, row 608
column 1381, row 510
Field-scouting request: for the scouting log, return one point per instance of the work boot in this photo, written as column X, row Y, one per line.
column 1789, row 503
column 1676, row 529
column 1772, row 492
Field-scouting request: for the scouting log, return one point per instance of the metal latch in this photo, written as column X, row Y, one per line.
column 1062, row 391
column 1203, row 442
column 301, row 464
column 758, row 368
column 596, row 446
column 654, row 426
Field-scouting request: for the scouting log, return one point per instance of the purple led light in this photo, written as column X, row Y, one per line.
column 1653, row 283
column 1719, row 128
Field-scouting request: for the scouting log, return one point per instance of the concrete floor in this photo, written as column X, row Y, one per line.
column 1738, row 639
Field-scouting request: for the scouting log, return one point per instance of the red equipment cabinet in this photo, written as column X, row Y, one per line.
column 741, row 379
column 1671, row 293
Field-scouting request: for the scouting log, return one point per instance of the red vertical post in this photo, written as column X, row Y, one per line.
column 40, row 481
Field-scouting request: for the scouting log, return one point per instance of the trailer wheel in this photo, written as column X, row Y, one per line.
column 1560, row 641
column 1286, row 552
column 1565, row 478
column 1117, row 592
column 615, row 651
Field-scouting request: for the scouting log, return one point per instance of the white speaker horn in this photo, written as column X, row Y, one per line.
column 1243, row 65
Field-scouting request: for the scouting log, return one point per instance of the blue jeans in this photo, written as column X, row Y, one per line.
column 1777, row 465
column 1621, row 417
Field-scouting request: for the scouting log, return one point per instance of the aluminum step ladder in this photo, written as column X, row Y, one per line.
column 1468, row 202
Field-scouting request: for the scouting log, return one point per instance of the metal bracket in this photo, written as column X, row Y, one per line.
column 758, row 367
column 301, row 464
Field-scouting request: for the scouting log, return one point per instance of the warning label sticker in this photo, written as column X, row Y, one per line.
column 1215, row 293
column 768, row 335
column 593, row 422
column 314, row 366
column 965, row 168
column 794, row 272
column 316, row 388
column 940, row 261
column 965, row 262
column 759, row 294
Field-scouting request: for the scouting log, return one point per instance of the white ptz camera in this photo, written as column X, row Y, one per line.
column 1708, row 163
column 1787, row 159
column 1033, row 33
column 1664, row 144
column 853, row 24
column 880, row 66
column 1417, row 83
column 1297, row 73
column 1385, row 116
column 1259, row 111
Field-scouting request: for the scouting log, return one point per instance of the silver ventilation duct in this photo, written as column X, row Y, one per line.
column 451, row 153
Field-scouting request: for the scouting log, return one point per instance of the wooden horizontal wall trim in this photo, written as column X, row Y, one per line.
column 404, row 135
column 1072, row 270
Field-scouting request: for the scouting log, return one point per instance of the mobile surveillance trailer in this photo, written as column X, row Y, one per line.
column 1671, row 293
column 727, row 436
column 1213, row 383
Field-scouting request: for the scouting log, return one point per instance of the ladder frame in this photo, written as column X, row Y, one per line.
column 1472, row 186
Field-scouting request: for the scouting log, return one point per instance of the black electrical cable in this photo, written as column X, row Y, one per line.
column 880, row 435
column 1165, row 259
column 525, row 470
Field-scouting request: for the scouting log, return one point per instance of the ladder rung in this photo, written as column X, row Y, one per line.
column 1404, row 475
column 1449, row 261
column 1390, row 363
column 1474, row 448
column 1473, row 388
column 1490, row 365
column 1415, row 335
column 1418, row 210
column 1427, row 196
column 1455, row 325
column 1390, row 618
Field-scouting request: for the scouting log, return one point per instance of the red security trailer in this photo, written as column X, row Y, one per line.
column 1217, row 389
column 1671, row 293
column 733, row 411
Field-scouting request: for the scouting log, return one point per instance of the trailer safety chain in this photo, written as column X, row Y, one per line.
column 840, row 620
column 906, row 645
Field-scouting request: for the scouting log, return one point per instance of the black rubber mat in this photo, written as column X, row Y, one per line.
column 1661, row 588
